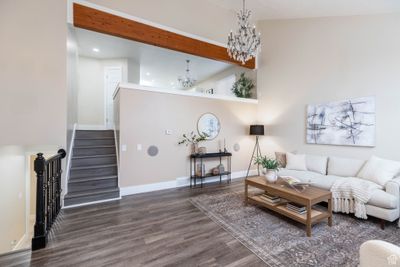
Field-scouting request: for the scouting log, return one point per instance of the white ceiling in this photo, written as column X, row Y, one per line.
column 158, row 67
column 284, row 9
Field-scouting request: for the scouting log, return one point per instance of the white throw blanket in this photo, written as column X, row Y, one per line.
column 351, row 194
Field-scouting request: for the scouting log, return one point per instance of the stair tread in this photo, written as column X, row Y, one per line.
column 94, row 138
column 95, row 146
column 93, row 167
column 94, row 156
column 89, row 179
column 91, row 192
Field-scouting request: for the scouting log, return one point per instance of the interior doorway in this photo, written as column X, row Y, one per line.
column 112, row 77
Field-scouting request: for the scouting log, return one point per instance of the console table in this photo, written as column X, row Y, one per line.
column 199, row 158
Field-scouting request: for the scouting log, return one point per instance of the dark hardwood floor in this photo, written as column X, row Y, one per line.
column 154, row 229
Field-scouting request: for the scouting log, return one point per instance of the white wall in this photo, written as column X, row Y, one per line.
column 91, row 96
column 33, row 89
column 72, row 83
column 133, row 71
column 12, row 196
column 307, row 61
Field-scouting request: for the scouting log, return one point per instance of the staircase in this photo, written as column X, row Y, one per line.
column 93, row 174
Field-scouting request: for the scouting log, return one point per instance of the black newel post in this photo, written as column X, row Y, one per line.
column 40, row 239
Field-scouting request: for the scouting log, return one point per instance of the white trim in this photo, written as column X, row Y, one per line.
column 117, row 154
column 91, row 203
column 21, row 242
column 178, row 182
column 68, row 165
column 132, row 86
column 91, row 127
column 70, row 19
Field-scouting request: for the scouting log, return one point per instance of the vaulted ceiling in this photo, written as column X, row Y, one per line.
column 283, row 9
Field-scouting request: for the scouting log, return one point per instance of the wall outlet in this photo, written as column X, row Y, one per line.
column 139, row 147
column 168, row 132
column 123, row 148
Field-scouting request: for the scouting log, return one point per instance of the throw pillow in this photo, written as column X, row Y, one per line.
column 281, row 159
column 379, row 171
column 316, row 163
column 296, row 162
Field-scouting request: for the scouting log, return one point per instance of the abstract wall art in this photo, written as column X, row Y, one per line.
column 347, row 122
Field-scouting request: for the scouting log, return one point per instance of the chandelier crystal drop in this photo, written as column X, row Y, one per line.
column 187, row 81
column 245, row 43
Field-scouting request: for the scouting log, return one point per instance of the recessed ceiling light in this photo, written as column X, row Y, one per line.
column 96, row 50
column 148, row 73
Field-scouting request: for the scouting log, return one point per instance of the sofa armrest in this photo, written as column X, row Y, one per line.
column 379, row 253
column 393, row 187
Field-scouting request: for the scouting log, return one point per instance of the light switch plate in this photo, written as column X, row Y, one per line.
column 124, row 148
column 168, row 132
column 139, row 147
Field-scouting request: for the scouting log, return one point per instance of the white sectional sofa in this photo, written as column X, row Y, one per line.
column 323, row 171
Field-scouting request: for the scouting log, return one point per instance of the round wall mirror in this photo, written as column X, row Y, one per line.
column 209, row 124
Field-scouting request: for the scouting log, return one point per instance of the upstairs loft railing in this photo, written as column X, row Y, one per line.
column 48, row 196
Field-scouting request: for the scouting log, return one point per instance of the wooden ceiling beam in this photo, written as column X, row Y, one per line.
column 103, row 22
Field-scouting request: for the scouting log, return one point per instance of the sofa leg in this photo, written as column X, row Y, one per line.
column 383, row 224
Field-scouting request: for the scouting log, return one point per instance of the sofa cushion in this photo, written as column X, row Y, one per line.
column 316, row 163
column 325, row 181
column 379, row 171
column 344, row 167
column 304, row 176
column 296, row 162
column 384, row 200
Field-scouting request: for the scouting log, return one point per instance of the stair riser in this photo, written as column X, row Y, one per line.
column 93, row 151
column 93, row 134
column 93, row 161
column 92, row 185
column 86, row 199
column 108, row 171
column 93, row 142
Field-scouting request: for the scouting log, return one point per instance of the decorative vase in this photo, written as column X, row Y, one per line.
column 194, row 148
column 202, row 150
column 271, row 175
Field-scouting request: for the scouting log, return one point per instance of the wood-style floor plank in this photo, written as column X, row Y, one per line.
column 154, row 229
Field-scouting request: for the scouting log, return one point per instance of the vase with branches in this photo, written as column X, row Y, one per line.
column 193, row 140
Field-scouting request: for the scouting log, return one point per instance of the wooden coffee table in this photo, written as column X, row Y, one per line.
column 308, row 198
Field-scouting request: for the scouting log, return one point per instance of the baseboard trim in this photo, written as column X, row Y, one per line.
column 92, row 127
column 23, row 239
column 69, row 158
column 91, row 203
column 178, row 182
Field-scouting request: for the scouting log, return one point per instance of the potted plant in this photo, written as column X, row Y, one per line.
column 193, row 140
column 271, row 166
column 243, row 86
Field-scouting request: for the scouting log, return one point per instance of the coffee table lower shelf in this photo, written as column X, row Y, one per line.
column 316, row 215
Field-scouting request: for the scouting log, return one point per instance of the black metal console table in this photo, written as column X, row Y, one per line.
column 198, row 158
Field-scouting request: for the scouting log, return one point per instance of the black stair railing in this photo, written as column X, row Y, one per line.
column 48, row 195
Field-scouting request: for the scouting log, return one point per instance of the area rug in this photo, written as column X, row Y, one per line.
column 279, row 241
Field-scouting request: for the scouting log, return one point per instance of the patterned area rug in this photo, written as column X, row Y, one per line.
column 279, row 241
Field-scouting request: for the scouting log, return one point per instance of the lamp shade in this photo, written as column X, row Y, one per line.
column 257, row 129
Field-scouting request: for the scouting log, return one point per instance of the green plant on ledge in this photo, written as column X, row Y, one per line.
column 192, row 139
column 267, row 163
column 243, row 86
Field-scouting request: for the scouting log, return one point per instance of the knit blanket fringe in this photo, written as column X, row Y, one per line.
column 349, row 195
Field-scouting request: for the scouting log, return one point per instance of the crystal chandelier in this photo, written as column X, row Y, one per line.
column 245, row 43
column 187, row 80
